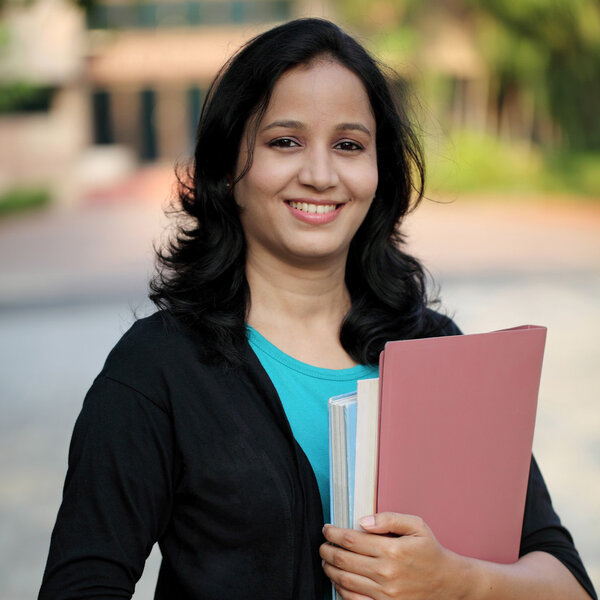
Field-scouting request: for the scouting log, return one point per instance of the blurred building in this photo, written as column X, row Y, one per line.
column 149, row 65
column 43, row 112
column 117, row 84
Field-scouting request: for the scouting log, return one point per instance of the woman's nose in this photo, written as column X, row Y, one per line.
column 318, row 169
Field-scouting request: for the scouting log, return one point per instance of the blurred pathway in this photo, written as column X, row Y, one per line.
column 97, row 251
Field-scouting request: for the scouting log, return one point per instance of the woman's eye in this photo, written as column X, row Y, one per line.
column 283, row 143
column 348, row 146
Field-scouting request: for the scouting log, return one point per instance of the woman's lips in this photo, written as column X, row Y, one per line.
column 315, row 213
column 313, row 208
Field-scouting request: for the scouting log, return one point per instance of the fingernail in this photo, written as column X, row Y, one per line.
column 367, row 521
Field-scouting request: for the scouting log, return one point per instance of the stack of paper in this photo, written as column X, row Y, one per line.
column 353, row 435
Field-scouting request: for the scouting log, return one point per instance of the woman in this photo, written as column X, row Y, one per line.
column 206, row 429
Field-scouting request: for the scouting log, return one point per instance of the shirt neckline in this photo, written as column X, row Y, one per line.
column 261, row 343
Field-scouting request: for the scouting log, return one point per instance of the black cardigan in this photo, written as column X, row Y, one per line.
column 201, row 459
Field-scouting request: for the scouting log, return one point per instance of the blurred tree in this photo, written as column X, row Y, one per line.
column 542, row 57
column 551, row 49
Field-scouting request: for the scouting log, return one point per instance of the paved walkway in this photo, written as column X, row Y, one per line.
column 68, row 280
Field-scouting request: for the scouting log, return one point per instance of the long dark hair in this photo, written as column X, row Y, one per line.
column 201, row 274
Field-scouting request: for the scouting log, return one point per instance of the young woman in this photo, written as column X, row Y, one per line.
column 206, row 430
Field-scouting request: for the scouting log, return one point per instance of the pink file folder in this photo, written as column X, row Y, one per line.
column 457, row 416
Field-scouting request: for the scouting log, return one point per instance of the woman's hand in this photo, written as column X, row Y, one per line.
column 409, row 564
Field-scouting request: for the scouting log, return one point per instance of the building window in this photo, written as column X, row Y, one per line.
column 102, row 118
column 132, row 14
column 195, row 97
column 149, row 150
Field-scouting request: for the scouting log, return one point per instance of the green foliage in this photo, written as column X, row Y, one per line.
column 551, row 47
column 395, row 45
column 473, row 162
column 470, row 162
column 4, row 34
column 548, row 50
column 22, row 96
column 21, row 199
column 579, row 172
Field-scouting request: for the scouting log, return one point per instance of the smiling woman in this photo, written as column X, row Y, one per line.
column 314, row 169
column 206, row 431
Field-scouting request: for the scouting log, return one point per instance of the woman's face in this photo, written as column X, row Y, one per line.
column 314, row 168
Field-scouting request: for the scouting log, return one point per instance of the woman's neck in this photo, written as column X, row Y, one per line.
column 300, row 310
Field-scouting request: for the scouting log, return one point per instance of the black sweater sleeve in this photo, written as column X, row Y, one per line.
column 543, row 531
column 116, row 498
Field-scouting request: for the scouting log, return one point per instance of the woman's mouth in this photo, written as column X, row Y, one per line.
column 307, row 207
column 314, row 213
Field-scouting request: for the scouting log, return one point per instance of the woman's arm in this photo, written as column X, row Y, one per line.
column 412, row 565
column 117, row 495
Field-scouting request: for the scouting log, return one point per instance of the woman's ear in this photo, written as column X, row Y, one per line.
column 230, row 185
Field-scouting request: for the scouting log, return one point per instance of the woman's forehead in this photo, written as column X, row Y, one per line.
column 322, row 89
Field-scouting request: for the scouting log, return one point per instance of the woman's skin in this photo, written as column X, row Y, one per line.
column 316, row 145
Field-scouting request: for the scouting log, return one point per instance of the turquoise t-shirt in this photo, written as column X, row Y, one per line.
column 304, row 391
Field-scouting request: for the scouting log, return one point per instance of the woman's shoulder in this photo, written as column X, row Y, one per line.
column 150, row 337
column 153, row 347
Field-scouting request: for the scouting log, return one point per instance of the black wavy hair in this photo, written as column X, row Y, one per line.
column 201, row 273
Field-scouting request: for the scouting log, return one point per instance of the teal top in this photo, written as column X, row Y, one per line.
column 304, row 391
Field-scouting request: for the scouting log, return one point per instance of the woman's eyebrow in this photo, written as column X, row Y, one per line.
column 356, row 126
column 286, row 124
column 289, row 124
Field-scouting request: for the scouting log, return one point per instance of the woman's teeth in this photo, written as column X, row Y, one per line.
column 313, row 208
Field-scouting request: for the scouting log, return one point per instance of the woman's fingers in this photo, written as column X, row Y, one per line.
column 345, row 559
column 350, row 585
column 385, row 525
column 396, row 523
column 396, row 556
column 362, row 562
column 353, row 540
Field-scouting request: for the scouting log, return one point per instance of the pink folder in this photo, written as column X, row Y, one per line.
column 457, row 417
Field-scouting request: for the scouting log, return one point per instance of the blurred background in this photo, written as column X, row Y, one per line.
column 99, row 99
